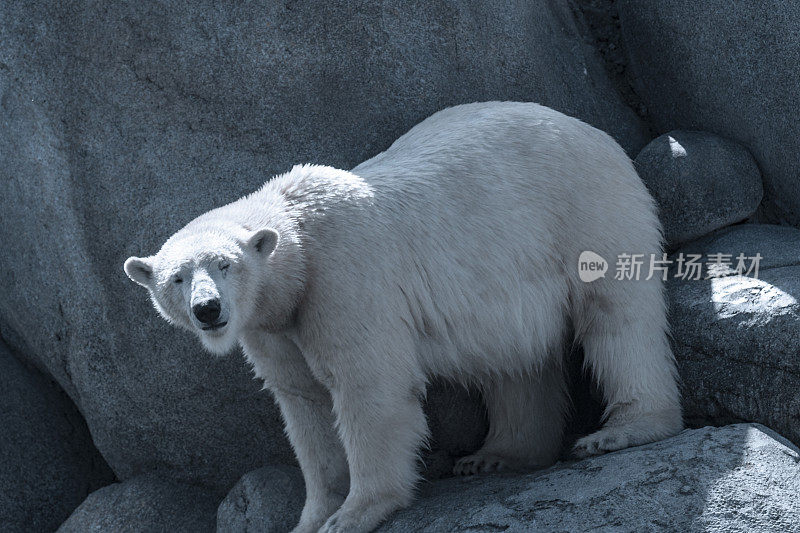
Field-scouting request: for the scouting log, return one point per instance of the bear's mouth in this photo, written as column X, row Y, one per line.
column 214, row 327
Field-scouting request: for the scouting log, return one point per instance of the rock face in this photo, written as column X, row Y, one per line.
column 267, row 500
column 742, row 477
column 145, row 503
column 724, row 67
column 120, row 123
column 47, row 461
column 700, row 181
column 735, row 338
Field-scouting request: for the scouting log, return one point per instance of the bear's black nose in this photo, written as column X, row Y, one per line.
column 207, row 312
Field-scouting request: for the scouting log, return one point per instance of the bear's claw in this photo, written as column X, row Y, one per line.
column 479, row 463
column 599, row 442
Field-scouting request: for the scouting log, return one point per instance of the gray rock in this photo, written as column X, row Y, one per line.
column 145, row 503
column 728, row 68
column 700, row 181
column 267, row 500
column 741, row 477
column 779, row 246
column 736, row 338
column 48, row 464
column 121, row 123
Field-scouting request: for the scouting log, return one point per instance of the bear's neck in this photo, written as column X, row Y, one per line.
column 282, row 286
column 304, row 206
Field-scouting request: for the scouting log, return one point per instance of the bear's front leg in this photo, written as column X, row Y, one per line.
column 310, row 427
column 307, row 411
column 382, row 425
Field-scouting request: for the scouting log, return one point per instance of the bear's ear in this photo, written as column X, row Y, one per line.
column 140, row 270
column 263, row 241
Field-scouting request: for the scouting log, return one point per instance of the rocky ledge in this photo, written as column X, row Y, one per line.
column 742, row 477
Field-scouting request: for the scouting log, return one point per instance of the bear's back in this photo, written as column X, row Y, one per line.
column 503, row 155
column 510, row 167
column 474, row 221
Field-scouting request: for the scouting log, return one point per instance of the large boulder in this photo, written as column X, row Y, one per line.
column 123, row 121
column 145, row 503
column 700, row 181
column 725, row 67
column 48, row 464
column 736, row 337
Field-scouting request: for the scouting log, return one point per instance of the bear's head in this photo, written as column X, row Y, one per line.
column 217, row 280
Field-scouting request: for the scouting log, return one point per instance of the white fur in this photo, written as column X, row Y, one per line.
column 452, row 253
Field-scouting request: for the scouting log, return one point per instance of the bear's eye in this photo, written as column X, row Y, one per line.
column 177, row 279
column 224, row 266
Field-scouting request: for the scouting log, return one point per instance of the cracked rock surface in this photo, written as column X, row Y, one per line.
column 742, row 477
column 737, row 339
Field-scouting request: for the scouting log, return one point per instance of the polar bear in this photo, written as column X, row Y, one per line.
column 453, row 253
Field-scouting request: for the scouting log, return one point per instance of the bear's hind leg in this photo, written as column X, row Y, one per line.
column 629, row 353
column 526, row 422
